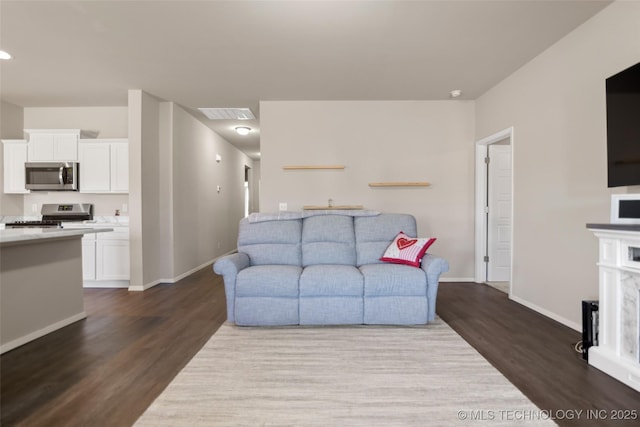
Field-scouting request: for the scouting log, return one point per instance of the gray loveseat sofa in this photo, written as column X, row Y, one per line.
column 326, row 270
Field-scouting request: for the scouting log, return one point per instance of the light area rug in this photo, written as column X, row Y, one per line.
column 340, row 376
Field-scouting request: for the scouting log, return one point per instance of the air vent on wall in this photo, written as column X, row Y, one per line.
column 227, row 113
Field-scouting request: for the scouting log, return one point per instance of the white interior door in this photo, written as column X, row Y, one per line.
column 499, row 213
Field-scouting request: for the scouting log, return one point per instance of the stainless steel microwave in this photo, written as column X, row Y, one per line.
column 51, row 176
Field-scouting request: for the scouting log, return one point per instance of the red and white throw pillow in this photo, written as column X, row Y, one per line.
column 407, row 250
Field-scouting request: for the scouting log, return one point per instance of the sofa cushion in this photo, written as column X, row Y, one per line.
column 328, row 239
column 407, row 250
column 396, row 310
column 332, row 310
column 268, row 281
column 267, row 311
column 271, row 242
column 393, row 279
column 331, row 280
column 375, row 233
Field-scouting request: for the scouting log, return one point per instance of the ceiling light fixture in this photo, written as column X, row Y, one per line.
column 4, row 55
column 243, row 130
column 455, row 93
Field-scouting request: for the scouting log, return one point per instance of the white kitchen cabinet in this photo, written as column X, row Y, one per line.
column 112, row 255
column 55, row 145
column 120, row 167
column 105, row 258
column 15, row 156
column 95, row 170
column 104, row 165
column 89, row 257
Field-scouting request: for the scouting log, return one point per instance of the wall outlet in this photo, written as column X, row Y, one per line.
column 34, row 208
column 125, row 208
column 283, row 206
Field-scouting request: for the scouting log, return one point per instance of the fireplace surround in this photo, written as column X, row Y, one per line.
column 618, row 349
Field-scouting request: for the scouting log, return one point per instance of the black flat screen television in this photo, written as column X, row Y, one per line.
column 623, row 127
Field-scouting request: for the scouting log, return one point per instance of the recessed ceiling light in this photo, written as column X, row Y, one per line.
column 455, row 93
column 243, row 130
column 4, row 55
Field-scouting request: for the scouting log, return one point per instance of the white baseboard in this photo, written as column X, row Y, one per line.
column 547, row 313
column 41, row 332
column 534, row 307
column 138, row 288
column 456, row 279
column 105, row 284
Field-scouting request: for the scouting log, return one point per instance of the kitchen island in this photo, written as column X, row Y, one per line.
column 40, row 282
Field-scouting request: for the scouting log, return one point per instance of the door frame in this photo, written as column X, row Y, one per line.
column 482, row 149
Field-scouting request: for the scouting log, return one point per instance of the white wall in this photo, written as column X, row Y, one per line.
column 150, row 244
column 377, row 141
column 556, row 104
column 254, row 186
column 11, row 125
column 109, row 122
column 141, row 117
column 205, row 221
column 179, row 222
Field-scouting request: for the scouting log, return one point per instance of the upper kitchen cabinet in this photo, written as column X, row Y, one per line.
column 46, row 145
column 15, row 156
column 120, row 166
column 104, row 165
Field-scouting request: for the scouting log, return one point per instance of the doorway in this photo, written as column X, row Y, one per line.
column 494, row 210
column 247, row 189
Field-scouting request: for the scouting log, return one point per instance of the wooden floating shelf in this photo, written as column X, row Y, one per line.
column 288, row 168
column 399, row 184
column 331, row 208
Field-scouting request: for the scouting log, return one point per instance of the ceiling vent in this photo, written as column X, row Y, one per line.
column 227, row 113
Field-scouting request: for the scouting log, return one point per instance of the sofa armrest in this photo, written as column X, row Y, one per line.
column 433, row 267
column 229, row 266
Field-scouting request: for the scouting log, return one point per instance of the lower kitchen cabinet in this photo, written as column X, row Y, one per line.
column 106, row 259
column 89, row 257
column 112, row 259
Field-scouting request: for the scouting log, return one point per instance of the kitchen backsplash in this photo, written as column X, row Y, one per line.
column 103, row 204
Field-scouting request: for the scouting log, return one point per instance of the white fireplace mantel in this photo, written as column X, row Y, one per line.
column 618, row 349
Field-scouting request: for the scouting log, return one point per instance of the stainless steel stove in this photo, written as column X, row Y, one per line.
column 54, row 215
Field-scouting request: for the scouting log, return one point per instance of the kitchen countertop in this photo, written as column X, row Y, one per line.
column 32, row 235
column 110, row 220
column 98, row 220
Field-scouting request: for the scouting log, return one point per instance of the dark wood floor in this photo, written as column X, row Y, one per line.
column 108, row 368
column 537, row 355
